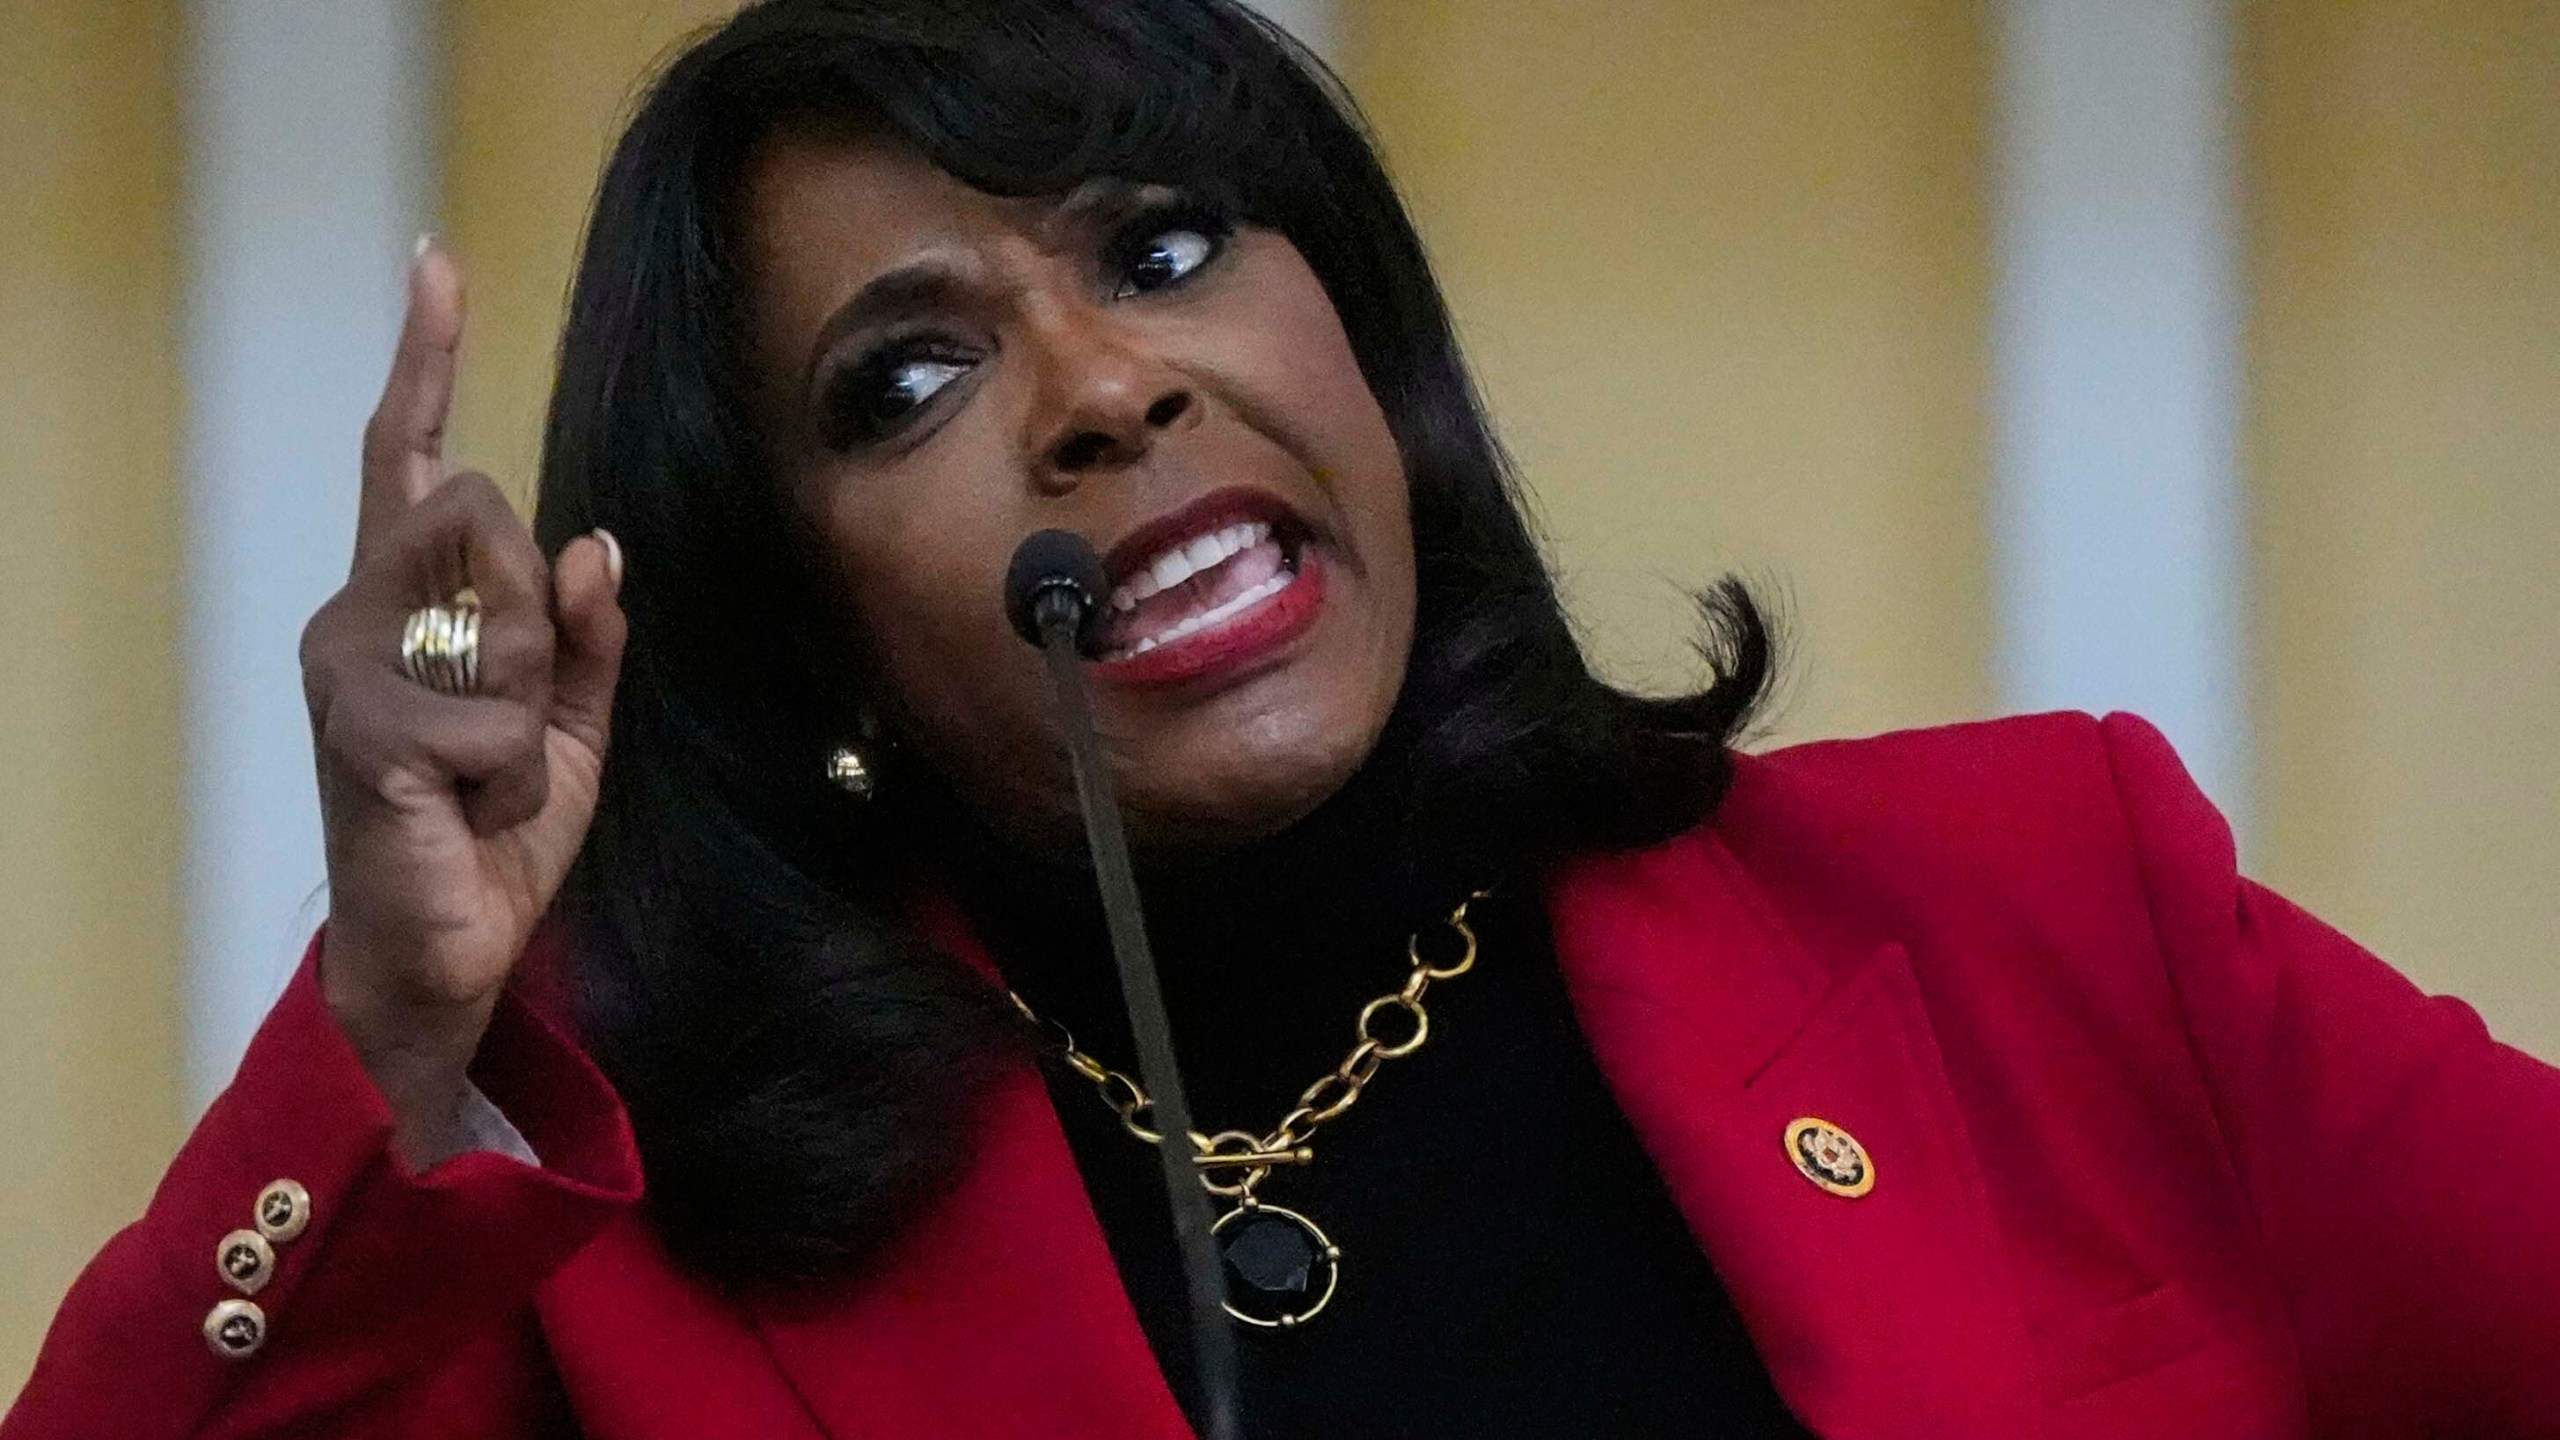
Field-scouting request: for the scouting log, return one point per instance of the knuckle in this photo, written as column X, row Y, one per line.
column 440, row 506
column 381, row 443
column 316, row 686
column 499, row 737
column 327, row 649
column 348, row 744
column 515, row 652
column 508, row 738
column 311, row 648
column 476, row 494
column 368, row 735
column 323, row 634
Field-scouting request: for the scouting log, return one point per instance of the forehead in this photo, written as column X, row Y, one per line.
column 867, row 201
column 826, row 211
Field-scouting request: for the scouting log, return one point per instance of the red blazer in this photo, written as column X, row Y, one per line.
column 2155, row 1155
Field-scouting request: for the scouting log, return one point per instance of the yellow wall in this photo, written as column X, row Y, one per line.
column 2405, row 453
column 89, row 790
column 1723, row 271
column 535, row 94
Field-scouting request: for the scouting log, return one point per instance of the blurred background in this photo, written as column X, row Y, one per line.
column 2196, row 358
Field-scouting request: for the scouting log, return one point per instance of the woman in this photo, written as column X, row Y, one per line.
column 1949, row 1084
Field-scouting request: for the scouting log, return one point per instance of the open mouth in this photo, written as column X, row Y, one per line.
column 1195, row 589
column 1195, row 584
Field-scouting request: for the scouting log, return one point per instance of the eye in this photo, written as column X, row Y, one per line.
column 1163, row 250
column 873, row 397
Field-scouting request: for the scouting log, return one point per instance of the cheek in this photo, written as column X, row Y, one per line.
column 907, row 606
column 1363, row 473
column 1312, row 377
column 924, row 577
column 950, row 678
column 1309, row 376
column 1292, row 371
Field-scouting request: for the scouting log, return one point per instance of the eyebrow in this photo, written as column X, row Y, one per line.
column 891, row 296
column 1096, row 202
column 923, row 286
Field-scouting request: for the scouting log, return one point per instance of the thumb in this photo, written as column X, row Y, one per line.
column 586, row 588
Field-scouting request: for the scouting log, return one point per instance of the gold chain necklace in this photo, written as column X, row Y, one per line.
column 1281, row 1270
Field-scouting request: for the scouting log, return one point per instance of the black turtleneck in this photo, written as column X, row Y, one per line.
column 1512, row 1264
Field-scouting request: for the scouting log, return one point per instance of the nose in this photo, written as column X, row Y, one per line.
column 1107, row 399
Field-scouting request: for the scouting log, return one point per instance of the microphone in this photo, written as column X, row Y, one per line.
column 1056, row 579
column 1053, row 593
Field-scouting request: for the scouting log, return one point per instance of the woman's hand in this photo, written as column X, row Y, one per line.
column 450, row 820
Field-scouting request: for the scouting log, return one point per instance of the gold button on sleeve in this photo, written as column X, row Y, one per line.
column 284, row 1210
column 246, row 1261
column 236, row 1329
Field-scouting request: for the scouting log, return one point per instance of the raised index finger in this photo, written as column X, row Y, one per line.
column 404, row 441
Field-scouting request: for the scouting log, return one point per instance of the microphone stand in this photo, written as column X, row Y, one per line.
column 1058, row 611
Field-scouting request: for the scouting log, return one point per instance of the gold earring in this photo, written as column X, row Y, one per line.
column 849, row 772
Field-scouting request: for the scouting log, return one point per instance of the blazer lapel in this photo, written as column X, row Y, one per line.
column 999, row 1313
column 1885, row 1315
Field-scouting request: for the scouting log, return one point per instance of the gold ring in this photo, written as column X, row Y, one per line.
column 440, row 648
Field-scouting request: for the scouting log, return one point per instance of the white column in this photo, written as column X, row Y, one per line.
column 312, row 137
column 1312, row 21
column 2119, row 514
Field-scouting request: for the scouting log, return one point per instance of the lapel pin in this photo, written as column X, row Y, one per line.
column 1830, row 1157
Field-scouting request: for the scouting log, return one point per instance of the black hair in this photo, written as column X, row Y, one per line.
column 799, row 1062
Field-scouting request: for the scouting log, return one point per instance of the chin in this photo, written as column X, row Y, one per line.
column 1250, row 797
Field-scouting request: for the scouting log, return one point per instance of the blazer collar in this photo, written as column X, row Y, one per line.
column 1002, row 1314
column 1886, row 1315
column 999, row 1314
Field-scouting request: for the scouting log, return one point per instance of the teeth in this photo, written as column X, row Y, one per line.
column 1182, row 561
column 1207, row 618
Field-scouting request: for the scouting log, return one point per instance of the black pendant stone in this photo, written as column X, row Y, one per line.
column 1276, row 1266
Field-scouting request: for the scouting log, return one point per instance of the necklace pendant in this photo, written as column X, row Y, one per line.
column 1280, row 1270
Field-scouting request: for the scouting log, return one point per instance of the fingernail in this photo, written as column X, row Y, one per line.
column 612, row 556
column 426, row 242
